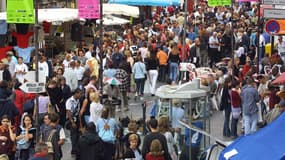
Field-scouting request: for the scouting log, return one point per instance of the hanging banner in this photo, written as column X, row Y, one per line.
column 214, row 3
column 89, row 9
column 20, row 11
column 246, row 0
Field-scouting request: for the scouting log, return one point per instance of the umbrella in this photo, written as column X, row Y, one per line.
column 113, row 81
column 280, row 79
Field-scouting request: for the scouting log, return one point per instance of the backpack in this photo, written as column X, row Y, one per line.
column 49, row 141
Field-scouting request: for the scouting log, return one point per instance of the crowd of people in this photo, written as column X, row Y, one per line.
column 76, row 99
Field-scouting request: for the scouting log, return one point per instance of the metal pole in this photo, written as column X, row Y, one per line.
column 101, row 47
column 232, row 36
column 36, row 43
column 258, row 36
column 184, row 29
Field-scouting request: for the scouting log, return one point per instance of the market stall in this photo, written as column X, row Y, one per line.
column 192, row 97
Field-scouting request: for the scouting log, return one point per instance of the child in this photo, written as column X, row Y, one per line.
column 156, row 152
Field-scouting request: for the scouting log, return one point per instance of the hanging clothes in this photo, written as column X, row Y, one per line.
column 22, row 28
column 76, row 32
column 4, row 50
column 25, row 53
column 22, row 39
column 3, row 32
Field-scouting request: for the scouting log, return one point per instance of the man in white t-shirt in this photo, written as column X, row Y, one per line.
column 43, row 67
column 281, row 47
column 20, row 70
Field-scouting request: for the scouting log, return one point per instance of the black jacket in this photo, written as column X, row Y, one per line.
column 147, row 141
column 90, row 147
column 7, row 107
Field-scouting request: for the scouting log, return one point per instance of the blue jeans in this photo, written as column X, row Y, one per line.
column 173, row 67
column 250, row 123
column 226, row 129
column 140, row 85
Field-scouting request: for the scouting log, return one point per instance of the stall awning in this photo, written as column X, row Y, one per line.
column 147, row 2
column 185, row 91
column 69, row 14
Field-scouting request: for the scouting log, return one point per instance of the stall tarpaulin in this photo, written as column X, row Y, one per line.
column 69, row 14
column 89, row 9
column 267, row 143
column 20, row 11
column 147, row 2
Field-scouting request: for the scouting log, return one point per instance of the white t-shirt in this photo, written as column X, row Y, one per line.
column 43, row 69
column 95, row 112
column 79, row 72
column 23, row 68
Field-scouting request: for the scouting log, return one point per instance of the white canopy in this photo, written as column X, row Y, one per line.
column 112, row 20
column 68, row 14
column 187, row 90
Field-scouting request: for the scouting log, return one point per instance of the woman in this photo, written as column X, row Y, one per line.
column 226, row 106
column 44, row 101
column 65, row 93
column 95, row 107
column 152, row 66
column 139, row 71
column 25, row 137
column 106, row 128
column 156, row 152
column 7, row 137
column 236, row 108
column 84, row 113
column 164, row 128
column 55, row 94
column 133, row 152
column 173, row 60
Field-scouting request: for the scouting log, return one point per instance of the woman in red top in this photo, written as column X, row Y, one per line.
column 156, row 152
column 236, row 107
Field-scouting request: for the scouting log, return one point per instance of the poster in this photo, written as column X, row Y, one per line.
column 214, row 3
column 164, row 109
column 89, row 9
column 20, row 11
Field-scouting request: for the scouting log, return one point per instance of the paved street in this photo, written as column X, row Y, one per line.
column 135, row 111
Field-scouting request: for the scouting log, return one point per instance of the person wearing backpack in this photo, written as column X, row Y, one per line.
column 50, row 136
column 90, row 144
column 154, row 134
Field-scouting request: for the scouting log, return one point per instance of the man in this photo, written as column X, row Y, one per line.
column 213, row 48
column 90, row 144
column 72, row 111
column 249, row 97
column 20, row 70
column 79, row 72
column 71, row 76
column 124, row 77
column 195, row 53
column 43, row 67
column 88, row 54
column 275, row 112
column 280, row 45
column 11, row 63
column 117, row 57
column 154, row 134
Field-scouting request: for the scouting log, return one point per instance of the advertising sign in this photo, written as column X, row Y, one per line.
column 20, row 11
column 89, row 9
column 214, row 3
